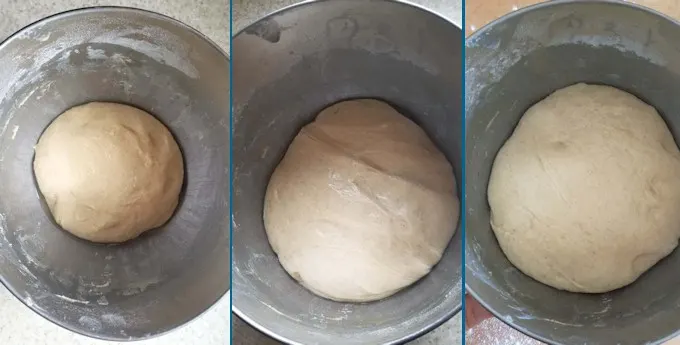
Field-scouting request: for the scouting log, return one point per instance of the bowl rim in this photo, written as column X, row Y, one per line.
column 406, row 338
column 97, row 9
column 482, row 31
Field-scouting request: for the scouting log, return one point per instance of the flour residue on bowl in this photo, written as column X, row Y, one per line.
column 72, row 300
column 494, row 332
column 23, row 69
column 90, row 323
column 491, row 54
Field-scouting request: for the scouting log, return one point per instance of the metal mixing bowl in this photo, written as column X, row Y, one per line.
column 169, row 276
column 512, row 64
column 287, row 67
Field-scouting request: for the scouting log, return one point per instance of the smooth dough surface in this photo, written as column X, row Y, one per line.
column 362, row 205
column 585, row 195
column 108, row 171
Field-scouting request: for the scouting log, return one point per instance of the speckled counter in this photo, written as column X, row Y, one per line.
column 248, row 11
column 18, row 324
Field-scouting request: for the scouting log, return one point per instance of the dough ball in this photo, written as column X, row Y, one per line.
column 362, row 205
column 108, row 172
column 585, row 195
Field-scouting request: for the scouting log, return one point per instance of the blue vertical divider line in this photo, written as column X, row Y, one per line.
column 231, row 179
column 462, row 188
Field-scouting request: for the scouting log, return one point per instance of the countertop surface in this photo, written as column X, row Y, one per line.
column 248, row 11
column 18, row 324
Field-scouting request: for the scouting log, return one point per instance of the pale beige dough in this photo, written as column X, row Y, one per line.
column 362, row 205
column 585, row 195
column 108, row 171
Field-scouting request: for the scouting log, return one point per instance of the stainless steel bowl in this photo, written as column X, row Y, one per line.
column 510, row 65
column 287, row 67
column 163, row 279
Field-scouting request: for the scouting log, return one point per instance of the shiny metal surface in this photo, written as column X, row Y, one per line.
column 510, row 65
column 169, row 276
column 287, row 67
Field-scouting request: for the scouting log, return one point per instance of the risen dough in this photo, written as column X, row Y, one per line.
column 585, row 195
column 362, row 205
column 108, row 171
